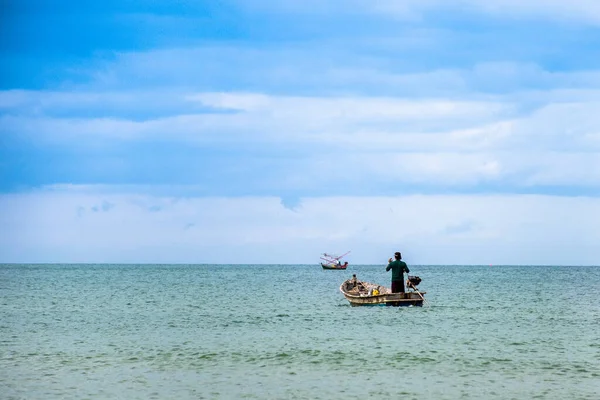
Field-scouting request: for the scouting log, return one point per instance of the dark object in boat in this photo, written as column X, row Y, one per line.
column 413, row 280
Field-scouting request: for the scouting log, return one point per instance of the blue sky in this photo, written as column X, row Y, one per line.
column 254, row 131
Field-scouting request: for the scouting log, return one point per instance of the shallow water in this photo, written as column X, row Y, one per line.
column 283, row 331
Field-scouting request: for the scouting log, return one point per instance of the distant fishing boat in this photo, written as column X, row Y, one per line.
column 333, row 261
column 360, row 293
column 335, row 266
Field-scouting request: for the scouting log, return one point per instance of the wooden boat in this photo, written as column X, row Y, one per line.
column 334, row 266
column 333, row 261
column 360, row 293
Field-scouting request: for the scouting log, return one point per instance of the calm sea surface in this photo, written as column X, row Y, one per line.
column 286, row 332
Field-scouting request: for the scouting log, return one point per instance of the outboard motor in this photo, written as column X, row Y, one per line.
column 413, row 281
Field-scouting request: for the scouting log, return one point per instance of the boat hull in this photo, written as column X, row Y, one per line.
column 386, row 298
column 330, row 266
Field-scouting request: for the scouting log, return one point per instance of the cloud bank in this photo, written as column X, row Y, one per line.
column 81, row 225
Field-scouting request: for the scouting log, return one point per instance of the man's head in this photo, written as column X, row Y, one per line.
column 397, row 255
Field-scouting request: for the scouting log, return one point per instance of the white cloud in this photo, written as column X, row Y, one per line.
column 561, row 126
column 504, row 170
column 581, row 10
column 353, row 108
column 382, row 140
column 312, row 118
column 375, row 122
column 74, row 226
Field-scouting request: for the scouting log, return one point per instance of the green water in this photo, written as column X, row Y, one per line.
column 286, row 332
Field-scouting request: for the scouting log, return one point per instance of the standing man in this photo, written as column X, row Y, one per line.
column 398, row 268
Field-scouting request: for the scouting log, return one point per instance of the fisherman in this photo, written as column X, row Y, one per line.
column 398, row 268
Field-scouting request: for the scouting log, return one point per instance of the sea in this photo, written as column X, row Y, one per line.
column 99, row 331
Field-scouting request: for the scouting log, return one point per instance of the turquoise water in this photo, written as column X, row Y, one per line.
column 286, row 332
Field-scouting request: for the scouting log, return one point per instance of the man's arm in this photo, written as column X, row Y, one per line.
column 389, row 266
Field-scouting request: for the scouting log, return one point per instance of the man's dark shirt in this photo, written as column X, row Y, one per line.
column 398, row 268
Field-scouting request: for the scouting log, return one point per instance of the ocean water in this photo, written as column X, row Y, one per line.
column 286, row 332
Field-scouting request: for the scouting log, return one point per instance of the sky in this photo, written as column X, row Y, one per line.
column 254, row 131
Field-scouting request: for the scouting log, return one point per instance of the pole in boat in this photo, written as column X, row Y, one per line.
column 410, row 285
